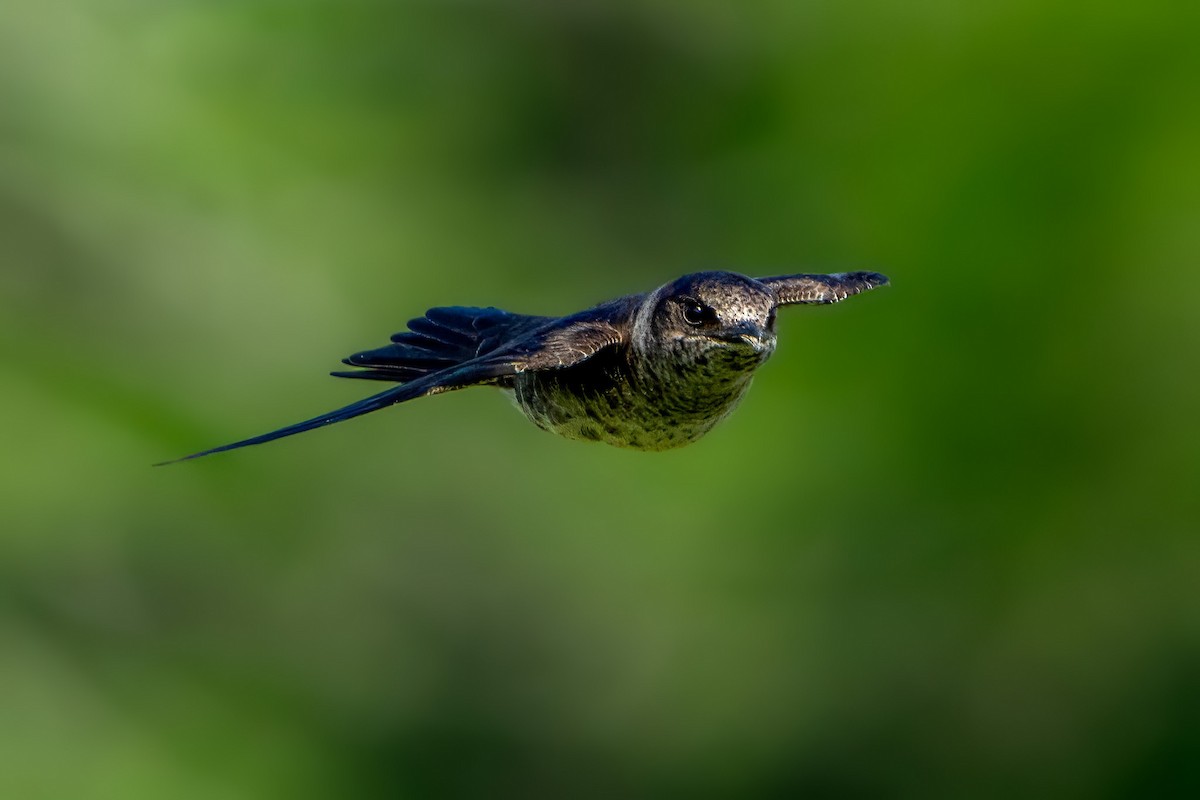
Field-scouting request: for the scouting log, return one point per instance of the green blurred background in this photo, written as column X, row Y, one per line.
column 946, row 548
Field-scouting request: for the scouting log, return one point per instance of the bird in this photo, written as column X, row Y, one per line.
column 649, row 371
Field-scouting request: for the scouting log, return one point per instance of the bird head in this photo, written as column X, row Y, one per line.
column 708, row 318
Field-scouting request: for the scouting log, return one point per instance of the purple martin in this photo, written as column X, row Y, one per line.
column 648, row 371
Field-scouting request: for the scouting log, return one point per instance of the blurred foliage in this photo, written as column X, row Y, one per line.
column 946, row 548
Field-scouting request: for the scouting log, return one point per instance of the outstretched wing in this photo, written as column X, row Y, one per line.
column 791, row 289
column 554, row 344
column 443, row 338
column 457, row 378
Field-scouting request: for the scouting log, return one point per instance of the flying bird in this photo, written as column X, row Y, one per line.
column 648, row 371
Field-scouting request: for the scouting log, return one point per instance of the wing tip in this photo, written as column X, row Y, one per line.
column 375, row 402
column 867, row 279
column 171, row 461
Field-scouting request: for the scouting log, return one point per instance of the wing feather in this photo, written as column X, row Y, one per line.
column 548, row 344
column 793, row 289
column 444, row 337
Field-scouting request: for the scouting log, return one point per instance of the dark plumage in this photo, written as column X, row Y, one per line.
column 648, row 371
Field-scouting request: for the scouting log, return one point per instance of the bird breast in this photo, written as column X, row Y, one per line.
column 618, row 400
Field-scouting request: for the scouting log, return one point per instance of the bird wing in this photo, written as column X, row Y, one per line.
column 792, row 289
column 443, row 338
column 556, row 343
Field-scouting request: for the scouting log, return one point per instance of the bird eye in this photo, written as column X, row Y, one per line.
column 696, row 313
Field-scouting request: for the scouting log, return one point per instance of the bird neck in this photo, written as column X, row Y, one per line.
column 694, row 382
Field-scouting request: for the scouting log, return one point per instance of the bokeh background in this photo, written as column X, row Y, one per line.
column 946, row 548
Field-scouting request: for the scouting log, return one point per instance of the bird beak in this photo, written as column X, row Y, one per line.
column 749, row 334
